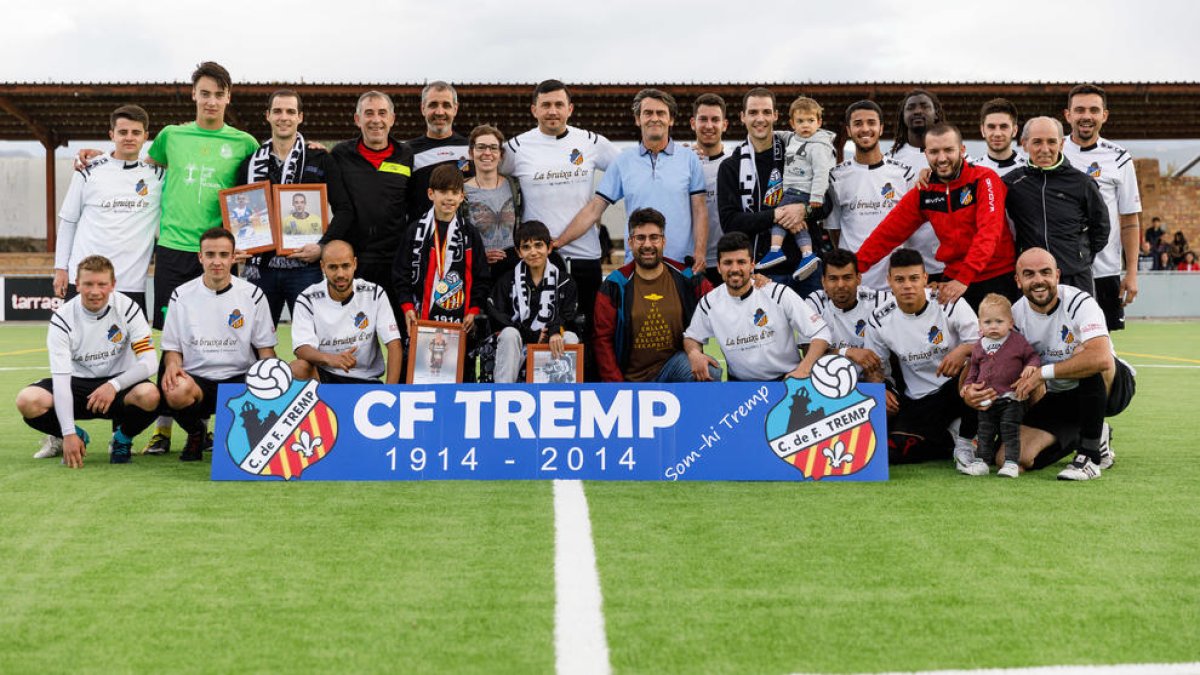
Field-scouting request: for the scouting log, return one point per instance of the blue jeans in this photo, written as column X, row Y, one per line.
column 282, row 285
column 679, row 369
column 791, row 196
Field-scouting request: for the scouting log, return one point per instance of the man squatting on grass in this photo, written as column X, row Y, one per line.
column 643, row 308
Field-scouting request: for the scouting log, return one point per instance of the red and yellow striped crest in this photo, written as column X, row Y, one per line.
column 312, row 439
column 840, row 455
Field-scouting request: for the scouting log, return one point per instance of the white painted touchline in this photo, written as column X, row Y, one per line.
column 580, row 644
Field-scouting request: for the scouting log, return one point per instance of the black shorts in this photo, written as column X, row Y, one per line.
column 172, row 269
column 1002, row 284
column 929, row 416
column 1049, row 414
column 138, row 299
column 1108, row 296
column 208, row 405
column 82, row 388
column 1123, row 388
column 330, row 377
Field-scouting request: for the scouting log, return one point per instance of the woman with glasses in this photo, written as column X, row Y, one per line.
column 493, row 201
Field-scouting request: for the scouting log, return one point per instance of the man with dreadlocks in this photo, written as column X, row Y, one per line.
column 919, row 110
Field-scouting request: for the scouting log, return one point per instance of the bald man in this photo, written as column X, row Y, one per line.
column 339, row 322
column 1056, row 207
column 1080, row 382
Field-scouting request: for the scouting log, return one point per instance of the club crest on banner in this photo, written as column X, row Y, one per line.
column 822, row 426
column 280, row 425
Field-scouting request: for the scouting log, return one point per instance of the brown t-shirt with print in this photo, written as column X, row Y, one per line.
column 657, row 325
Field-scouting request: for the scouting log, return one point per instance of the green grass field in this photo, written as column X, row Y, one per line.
column 150, row 567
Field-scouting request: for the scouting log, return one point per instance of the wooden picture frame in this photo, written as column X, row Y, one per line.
column 424, row 365
column 243, row 210
column 292, row 234
column 542, row 367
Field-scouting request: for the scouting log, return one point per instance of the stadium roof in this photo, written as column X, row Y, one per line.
column 57, row 113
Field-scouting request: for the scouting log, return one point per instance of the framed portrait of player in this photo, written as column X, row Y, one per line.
column 302, row 216
column 436, row 351
column 246, row 212
column 542, row 366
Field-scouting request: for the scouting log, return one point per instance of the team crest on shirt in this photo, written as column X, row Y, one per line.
column 236, row 319
column 115, row 335
column 860, row 328
column 966, row 197
column 361, row 321
column 822, row 426
column 935, row 335
column 760, row 318
column 226, row 152
column 1093, row 170
column 280, row 425
column 464, row 165
column 888, row 192
column 449, row 293
column 1066, row 335
column 576, row 157
column 141, row 188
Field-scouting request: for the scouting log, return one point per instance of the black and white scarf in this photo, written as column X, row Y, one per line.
column 748, row 179
column 447, row 284
column 293, row 165
column 520, row 298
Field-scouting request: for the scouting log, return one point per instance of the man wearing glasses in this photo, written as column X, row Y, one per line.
column 643, row 308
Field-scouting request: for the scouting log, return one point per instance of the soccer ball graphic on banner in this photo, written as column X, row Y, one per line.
column 269, row 379
column 834, row 376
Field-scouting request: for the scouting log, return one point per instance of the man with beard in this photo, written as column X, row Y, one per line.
column 643, row 308
column 1084, row 381
column 339, row 323
column 1112, row 169
column 919, row 111
column 658, row 174
column 965, row 205
column 1055, row 207
column 439, row 145
column 709, row 122
column 864, row 189
column 846, row 305
column 755, row 327
column 998, row 126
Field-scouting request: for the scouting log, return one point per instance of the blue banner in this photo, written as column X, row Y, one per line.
column 828, row 427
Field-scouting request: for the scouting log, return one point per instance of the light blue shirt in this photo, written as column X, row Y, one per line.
column 664, row 181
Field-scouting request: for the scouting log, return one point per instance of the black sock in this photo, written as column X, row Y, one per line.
column 1090, row 448
column 135, row 421
column 47, row 423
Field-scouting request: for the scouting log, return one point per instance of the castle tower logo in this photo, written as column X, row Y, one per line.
column 823, row 425
column 280, row 425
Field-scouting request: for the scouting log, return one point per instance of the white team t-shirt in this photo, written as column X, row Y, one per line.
column 361, row 321
column 861, row 196
column 1013, row 163
column 848, row 328
column 100, row 345
column 217, row 332
column 757, row 332
column 111, row 209
column 710, row 165
column 1055, row 336
column 556, row 176
column 1112, row 169
column 920, row 341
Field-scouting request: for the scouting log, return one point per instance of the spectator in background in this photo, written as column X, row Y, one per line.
column 1146, row 257
column 493, row 203
column 1162, row 263
column 1155, row 233
column 1189, row 263
column 1179, row 246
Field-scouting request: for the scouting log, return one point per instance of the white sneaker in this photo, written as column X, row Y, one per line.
column 1009, row 470
column 51, row 447
column 964, row 454
column 1107, row 456
column 1080, row 468
column 977, row 467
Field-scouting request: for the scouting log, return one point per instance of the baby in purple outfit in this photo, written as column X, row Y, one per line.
column 997, row 361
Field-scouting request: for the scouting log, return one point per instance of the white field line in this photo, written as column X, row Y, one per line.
column 1117, row 669
column 580, row 644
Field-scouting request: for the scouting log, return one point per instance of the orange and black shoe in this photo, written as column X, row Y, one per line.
column 193, row 450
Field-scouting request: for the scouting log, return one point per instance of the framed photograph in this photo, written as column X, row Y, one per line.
column 246, row 212
column 436, row 351
column 541, row 366
column 302, row 216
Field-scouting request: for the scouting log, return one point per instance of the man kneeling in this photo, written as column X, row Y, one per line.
column 101, row 355
column 339, row 323
column 534, row 303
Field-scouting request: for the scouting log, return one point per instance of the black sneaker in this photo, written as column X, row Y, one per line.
column 193, row 450
column 118, row 452
column 208, row 442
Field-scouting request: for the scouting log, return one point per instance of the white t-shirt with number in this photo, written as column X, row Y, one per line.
column 111, row 209
column 1112, row 168
column 360, row 321
column 1055, row 336
column 920, row 341
column 757, row 332
column 218, row 332
column 557, row 176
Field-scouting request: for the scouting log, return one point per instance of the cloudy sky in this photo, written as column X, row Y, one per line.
column 611, row 41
